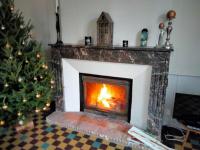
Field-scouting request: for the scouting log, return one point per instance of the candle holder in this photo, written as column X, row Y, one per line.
column 125, row 43
column 170, row 16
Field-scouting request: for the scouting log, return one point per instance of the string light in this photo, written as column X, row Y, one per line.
column 38, row 95
column 19, row 53
column 38, row 55
column 5, row 107
column 6, row 85
column 24, row 100
column 48, row 104
column 19, row 114
column 37, row 110
column 52, row 81
column 44, row 108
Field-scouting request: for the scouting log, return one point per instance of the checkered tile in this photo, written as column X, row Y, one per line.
column 52, row 137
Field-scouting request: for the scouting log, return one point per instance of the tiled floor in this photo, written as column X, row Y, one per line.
column 51, row 137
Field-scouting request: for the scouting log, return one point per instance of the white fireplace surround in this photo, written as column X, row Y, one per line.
column 140, row 74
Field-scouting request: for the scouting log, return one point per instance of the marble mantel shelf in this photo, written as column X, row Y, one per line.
column 158, row 58
column 130, row 48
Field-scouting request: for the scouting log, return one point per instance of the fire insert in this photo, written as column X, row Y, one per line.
column 105, row 95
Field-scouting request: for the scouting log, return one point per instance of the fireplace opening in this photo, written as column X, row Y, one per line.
column 105, row 95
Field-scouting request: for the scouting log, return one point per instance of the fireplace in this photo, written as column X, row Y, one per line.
column 105, row 95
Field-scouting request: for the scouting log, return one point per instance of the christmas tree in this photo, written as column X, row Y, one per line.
column 26, row 83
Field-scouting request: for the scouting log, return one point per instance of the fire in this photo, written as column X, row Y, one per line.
column 104, row 96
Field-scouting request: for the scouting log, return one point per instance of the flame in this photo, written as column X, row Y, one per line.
column 104, row 96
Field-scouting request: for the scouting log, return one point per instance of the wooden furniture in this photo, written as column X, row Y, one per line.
column 188, row 131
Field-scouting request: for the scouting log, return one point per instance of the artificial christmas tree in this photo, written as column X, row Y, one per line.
column 26, row 83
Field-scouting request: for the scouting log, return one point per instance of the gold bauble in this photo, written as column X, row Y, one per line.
column 6, row 85
column 8, row 45
column 38, row 55
column 5, row 107
column 37, row 110
column 52, row 81
column 38, row 95
column 19, row 53
column 24, row 100
column 2, row 122
column 19, row 114
column 48, row 104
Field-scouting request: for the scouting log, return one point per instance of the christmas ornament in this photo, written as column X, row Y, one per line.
column 21, row 122
column 11, row 57
column 37, row 110
column 19, row 53
column 3, row 27
column 38, row 55
column 6, row 85
column 8, row 45
column 38, row 95
column 43, row 66
column 46, row 67
column 20, row 79
column 19, row 114
column 48, row 104
column 24, row 100
column 12, row 7
column 5, row 107
column 2, row 122
column 21, row 26
column 52, row 81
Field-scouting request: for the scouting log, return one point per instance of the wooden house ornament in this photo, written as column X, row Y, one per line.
column 104, row 30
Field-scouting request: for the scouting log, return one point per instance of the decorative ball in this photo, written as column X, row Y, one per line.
column 20, row 79
column 24, row 100
column 19, row 114
column 19, row 53
column 6, row 85
column 37, row 110
column 161, row 25
column 21, row 122
column 38, row 55
column 11, row 57
column 52, row 81
column 2, row 122
column 8, row 45
column 3, row 27
column 12, row 7
column 5, row 107
column 43, row 66
column 21, row 26
column 38, row 95
column 171, row 14
column 46, row 67
column 48, row 104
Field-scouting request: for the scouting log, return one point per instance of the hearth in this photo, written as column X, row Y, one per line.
column 105, row 95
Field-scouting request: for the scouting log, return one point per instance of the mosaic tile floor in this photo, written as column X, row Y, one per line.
column 52, row 137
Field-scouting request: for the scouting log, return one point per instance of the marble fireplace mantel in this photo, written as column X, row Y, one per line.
column 158, row 58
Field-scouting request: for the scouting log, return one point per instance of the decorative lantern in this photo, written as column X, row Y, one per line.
column 104, row 30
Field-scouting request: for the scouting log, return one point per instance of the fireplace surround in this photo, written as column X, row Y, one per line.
column 157, row 58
